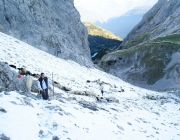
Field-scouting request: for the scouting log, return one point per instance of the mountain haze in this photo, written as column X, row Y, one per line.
column 94, row 11
column 122, row 25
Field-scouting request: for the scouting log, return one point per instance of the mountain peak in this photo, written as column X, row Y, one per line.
column 137, row 10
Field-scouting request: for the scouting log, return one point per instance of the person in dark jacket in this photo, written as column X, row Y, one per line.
column 43, row 86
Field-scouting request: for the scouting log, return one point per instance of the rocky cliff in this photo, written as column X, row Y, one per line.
column 162, row 20
column 52, row 26
column 151, row 57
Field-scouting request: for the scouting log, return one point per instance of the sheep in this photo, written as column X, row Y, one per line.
column 29, row 83
column 12, row 66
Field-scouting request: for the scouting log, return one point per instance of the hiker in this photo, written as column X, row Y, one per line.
column 43, row 86
column 102, row 92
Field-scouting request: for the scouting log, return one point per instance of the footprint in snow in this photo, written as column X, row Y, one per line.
column 157, row 132
column 13, row 102
column 60, row 113
column 43, row 134
column 3, row 110
column 54, row 126
column 150, row 136
column 76, row 125
column 120, row 127
column 65, row 131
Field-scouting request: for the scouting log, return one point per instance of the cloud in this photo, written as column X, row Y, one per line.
column 102, row 10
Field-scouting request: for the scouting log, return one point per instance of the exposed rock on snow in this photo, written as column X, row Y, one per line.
column 55, row 138
column 88, row 105
column 2, row 110
column 152, row 97
column 52, row 26
column 3, row 137
column 120, row 127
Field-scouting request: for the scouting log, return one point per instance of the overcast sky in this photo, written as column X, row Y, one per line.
column 102, row 10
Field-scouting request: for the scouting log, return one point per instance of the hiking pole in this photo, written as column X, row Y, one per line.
column 53, row 85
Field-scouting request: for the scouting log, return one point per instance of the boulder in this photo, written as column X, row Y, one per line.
column 3, row 137
column 55, row 138
column 88, row 105
column 10, row 80
column 2, row 110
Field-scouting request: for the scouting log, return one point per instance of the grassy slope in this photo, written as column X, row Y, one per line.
column 170, row 38
column 146, row 62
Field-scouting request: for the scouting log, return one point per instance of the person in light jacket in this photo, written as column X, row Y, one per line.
column 43, row 86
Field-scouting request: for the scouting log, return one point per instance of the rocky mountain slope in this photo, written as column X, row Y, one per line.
column 138, row 113
column 162, row 20
column 151, row 50
column 52, row 26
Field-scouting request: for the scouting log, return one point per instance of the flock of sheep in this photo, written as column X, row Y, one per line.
column 24, row 71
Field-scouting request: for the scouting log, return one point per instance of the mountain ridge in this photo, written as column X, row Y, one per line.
column 160, row 21
column 98, row 31
column 147, row 58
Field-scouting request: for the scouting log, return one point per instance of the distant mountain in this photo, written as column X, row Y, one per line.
column 122, row 25
column 86, row 15
column 98, row 31
column 100, row 39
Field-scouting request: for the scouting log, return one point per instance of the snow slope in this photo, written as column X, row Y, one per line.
column 76, row 117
